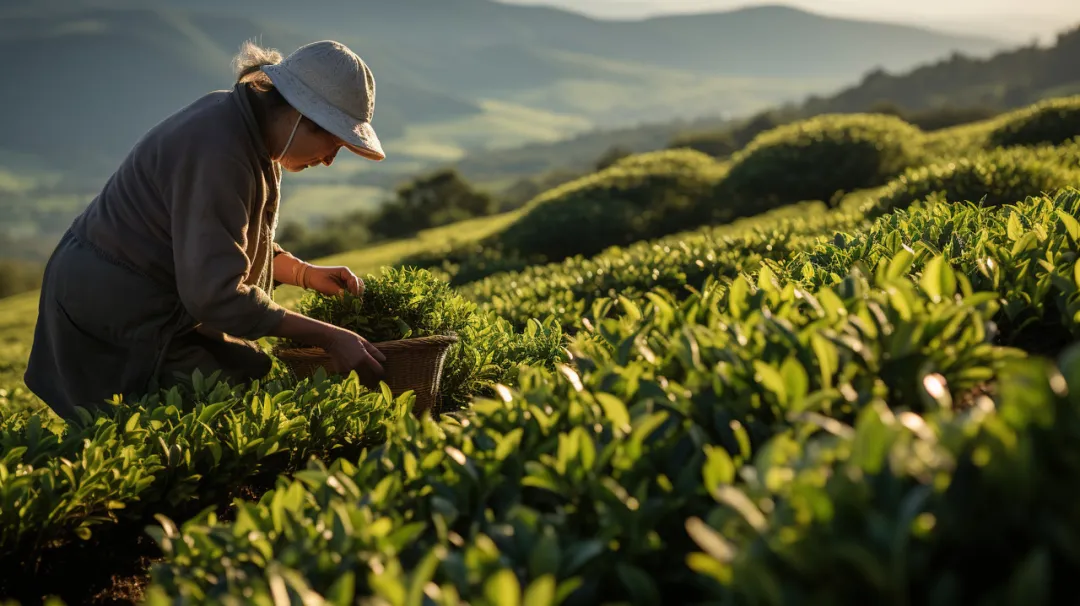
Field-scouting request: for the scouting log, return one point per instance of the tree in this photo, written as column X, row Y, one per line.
column 611, row 156
column 717, row 143
column 757, row 124
column 431, row 200
column 887, row 107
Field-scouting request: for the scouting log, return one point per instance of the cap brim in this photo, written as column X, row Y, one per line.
column 364, row 142
column 359, row 136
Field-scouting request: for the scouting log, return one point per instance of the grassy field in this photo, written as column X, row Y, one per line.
column 500, row 125
column 315, row 203
column 17, row 317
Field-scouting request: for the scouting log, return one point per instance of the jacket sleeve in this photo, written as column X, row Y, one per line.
column 211, row 205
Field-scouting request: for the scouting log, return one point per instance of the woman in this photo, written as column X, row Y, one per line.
column 171, row 268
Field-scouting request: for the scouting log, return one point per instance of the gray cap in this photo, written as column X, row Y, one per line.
column 334, row 88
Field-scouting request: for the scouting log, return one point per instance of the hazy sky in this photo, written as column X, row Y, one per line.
column 1017, row 19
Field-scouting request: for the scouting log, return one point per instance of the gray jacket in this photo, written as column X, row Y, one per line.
column 170, row 267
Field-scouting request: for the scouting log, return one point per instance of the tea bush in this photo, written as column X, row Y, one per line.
column 1052, row 121
column 1001, row 176
column 679, row 263
column 760, row 440
column 409, row 302
column 1024, row 252
column 400, row 303
column 951, row 507
column 637, row 198
column 678, row 160
column 166, row 452
column 816, row 158
column 1066, row 154
column 579, row 475
column 177, row 451
column 873, row 403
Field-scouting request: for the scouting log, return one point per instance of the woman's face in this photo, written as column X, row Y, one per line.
column 310, row 146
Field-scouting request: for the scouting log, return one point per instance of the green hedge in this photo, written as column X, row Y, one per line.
column 1025, row 252
column 1052, row 121
column 179, row 450
column 640, row 197
column 816, row 158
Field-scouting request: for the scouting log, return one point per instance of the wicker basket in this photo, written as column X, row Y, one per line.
column 415, row 364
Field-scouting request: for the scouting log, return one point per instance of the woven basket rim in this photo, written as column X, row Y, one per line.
column 423, row 359
column 429, row 341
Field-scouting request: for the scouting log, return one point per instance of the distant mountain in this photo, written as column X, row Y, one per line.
column 480, row 47
column 1017, row 24
column 1007, row 80
column 85, row 78
column 953, row 89
column 757, row 41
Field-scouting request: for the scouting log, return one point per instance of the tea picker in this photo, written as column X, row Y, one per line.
column 172, row 266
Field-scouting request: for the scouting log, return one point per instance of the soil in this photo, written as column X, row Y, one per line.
column 112, row 568
column 1046, row 339
column 968, row 398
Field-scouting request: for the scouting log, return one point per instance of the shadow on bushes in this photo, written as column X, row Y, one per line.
column 1053, row 122
column 998, row 177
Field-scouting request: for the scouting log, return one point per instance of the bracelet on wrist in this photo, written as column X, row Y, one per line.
column 296, row 273
column 299, row 273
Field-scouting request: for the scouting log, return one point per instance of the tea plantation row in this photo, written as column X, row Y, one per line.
column 179, row 451
column 651, row 195
column 840, row 426
column 812, row 404
column 681, row 262
column 678, row 262
column 169, row 455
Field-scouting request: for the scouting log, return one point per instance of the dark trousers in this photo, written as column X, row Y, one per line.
column 105, row 329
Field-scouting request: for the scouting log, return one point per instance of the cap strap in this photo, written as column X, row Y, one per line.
column 291, row 135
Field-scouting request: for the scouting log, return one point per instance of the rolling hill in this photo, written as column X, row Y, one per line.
column 457, row 79
column 105, row 71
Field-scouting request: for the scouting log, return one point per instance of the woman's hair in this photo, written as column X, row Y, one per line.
column 248, row 61
column 266, row 99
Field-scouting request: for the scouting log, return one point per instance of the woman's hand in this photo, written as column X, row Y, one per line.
column 331, row 281
column 351, row 352
column 348, row 350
